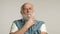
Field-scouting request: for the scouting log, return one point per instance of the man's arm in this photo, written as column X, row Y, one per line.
column 43, row 29
column 44, row 33
column 29, row 23
column 22, row 30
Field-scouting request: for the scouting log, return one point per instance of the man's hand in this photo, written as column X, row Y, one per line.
column 30, row 21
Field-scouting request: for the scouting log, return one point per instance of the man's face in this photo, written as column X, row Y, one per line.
column 28, row 9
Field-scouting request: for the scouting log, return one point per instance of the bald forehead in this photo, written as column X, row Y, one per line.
column 29, row 4
column 26, row 5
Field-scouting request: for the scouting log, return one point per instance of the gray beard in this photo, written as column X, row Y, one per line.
column 26, row 17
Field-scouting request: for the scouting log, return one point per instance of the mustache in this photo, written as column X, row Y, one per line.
column 28, row 15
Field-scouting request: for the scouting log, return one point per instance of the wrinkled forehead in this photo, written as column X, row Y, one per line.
column 27, row 5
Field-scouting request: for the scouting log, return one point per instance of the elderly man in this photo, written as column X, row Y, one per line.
column 28, row 25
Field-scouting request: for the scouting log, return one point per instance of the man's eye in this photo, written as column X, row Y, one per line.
column 24, row 9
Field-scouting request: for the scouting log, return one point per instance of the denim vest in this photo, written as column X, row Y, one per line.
column 34, row 29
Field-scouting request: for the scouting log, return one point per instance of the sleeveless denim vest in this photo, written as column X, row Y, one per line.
column 34, row 29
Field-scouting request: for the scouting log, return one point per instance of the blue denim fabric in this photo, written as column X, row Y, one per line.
column 35, row 29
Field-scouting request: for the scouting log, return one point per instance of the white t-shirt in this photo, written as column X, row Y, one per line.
column 14, row 28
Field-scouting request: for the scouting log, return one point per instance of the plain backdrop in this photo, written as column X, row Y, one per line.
column 45, row 10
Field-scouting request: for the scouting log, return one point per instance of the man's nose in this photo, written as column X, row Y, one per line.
column 28, row 10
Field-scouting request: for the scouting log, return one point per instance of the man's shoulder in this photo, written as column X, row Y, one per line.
column 39, row 21
column 17, row 20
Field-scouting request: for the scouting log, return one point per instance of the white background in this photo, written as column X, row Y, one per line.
column 45, row 10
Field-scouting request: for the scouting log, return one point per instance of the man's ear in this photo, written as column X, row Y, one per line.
column 21, row 12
